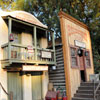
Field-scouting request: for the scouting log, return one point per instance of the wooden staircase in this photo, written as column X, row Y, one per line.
column 86, row 91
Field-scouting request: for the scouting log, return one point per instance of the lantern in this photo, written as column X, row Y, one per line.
column 86, row 53
column 11, row 37
column 80, row 52
column 54, row 68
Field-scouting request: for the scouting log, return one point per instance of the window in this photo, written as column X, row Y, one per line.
column 73, row 52
column 87, row 54
column 16, row 37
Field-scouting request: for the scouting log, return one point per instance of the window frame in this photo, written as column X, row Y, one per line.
column 87, row 57
column 76, row 56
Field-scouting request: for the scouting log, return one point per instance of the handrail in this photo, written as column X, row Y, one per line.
column 8, row 94
column 24, row 46
column 3, row 89
column 24, row 52
column 96, row 88
column 51, row 50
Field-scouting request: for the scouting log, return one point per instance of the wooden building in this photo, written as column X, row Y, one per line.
column 77, row 53
column 24, row 56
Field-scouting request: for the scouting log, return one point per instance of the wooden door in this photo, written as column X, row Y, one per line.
column 36, row 87
column 15, row 85
column 82, row 64
column 82, row 69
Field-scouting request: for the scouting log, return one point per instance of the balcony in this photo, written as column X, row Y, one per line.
column 17, row 53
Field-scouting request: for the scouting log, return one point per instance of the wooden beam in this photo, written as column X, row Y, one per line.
column 29, row 24
column 53, row 42
column 9, row 32
column 66, row 61
column 35, row 42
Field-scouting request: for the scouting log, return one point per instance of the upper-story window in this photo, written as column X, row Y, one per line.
column 16, row 37
column 88, row 63
column 74, row 60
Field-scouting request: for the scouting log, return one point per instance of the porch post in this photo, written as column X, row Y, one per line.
column 35, row 42
column 53, row 42
column 9, row 32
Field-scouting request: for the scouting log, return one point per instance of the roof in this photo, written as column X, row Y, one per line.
column 66, row 16
column 24, row 16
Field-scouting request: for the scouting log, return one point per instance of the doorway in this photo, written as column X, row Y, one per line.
column 82, row 67
column 82, row 74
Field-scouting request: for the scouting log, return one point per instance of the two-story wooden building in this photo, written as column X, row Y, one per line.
column 24, row 57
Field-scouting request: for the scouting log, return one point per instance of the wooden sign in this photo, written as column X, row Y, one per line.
column 46, row 54
column 30, row 49
column 34, row 68
column 80, row 44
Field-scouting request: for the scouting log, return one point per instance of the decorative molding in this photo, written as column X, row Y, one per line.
column 66, row 16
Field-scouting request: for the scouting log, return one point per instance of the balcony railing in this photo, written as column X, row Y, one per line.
column 18, row 53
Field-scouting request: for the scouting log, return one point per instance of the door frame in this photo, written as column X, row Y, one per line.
column 85, row 73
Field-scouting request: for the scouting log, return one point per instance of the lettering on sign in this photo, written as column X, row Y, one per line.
column 80, row 44
column 34, row 68
column 46, row 54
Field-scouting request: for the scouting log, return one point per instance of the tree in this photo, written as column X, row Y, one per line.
column 87, row 11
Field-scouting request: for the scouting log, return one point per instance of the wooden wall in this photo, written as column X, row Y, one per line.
column 3, row 73
column 57, row 77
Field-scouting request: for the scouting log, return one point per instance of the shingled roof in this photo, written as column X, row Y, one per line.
column 24, row 16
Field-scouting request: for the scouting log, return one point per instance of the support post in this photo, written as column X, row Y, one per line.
column 11, row 95
column 9, row 32
column 35, row 42
column 53, row 43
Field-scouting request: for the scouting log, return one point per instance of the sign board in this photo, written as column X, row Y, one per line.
column 30, row 49
column 34, row 68
column 45, row 54
column 80, row 44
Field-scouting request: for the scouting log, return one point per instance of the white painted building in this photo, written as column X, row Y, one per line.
column 24, row 57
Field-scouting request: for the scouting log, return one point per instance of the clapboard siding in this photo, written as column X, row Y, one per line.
column 57, row 77
column 15, row 85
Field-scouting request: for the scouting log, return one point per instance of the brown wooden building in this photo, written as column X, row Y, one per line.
column 76, row 64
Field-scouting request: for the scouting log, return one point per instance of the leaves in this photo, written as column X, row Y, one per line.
column 87, row 11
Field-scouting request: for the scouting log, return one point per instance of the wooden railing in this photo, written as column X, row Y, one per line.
column 97, row 87
column 23, row 53
column 10, row 95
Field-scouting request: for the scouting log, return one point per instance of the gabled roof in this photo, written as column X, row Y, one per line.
column 24, row 16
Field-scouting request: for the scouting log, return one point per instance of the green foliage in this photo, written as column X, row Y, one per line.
column 87, row 11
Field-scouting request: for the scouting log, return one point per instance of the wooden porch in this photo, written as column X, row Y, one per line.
column 27, row 54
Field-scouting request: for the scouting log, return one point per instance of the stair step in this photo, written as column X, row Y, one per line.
column 86, row 88
column 88, row 84
column 77, row 98
column 86, row 91
column 83, row 95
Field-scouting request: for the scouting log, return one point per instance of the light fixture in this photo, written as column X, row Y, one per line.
column 86, row 53
column 80, row 52
column 54, row 68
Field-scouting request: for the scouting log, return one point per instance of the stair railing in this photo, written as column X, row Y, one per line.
column 10, row 95
column 96, row 88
